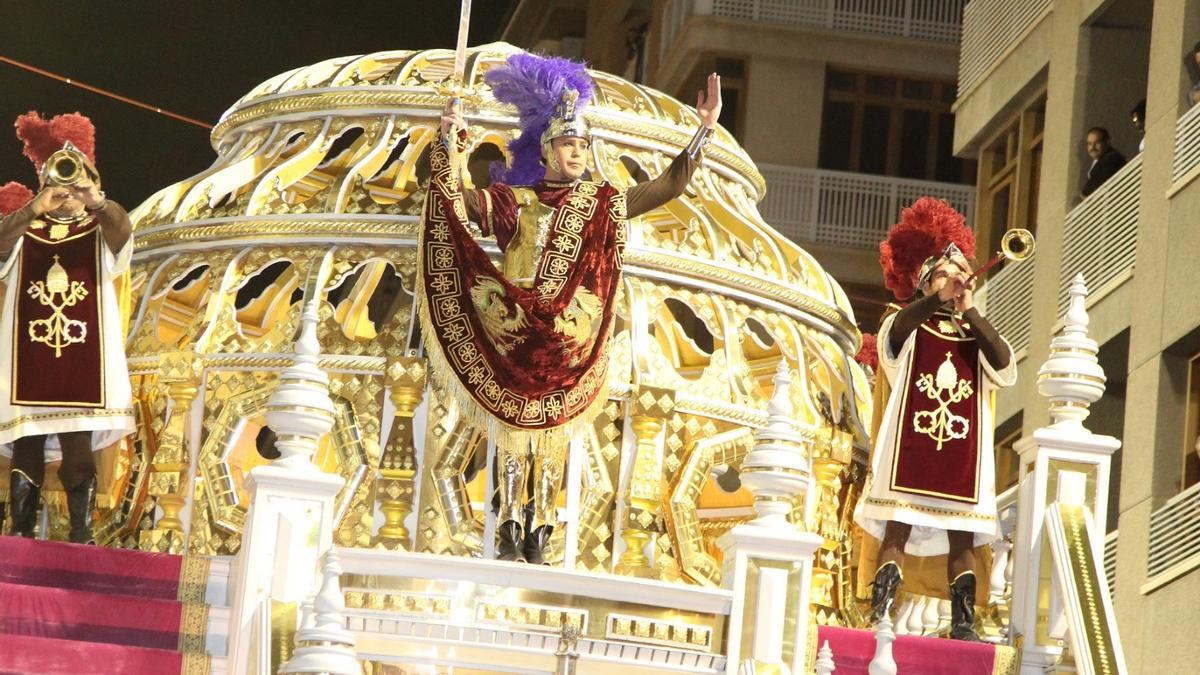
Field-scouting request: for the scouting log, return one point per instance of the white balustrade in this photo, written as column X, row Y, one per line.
column 989, row 29
column 824, row 664
column 1005, row 299
column 929, row 20
column 884, row 662
column 838, row 208
column 1100, row 234
column 1187, row 145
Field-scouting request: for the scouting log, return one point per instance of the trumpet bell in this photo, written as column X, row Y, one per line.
column 1017, row 244
column 67, row 167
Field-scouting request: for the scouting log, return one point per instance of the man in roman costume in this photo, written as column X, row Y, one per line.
column 523, row 348
column 65, row 384
column 931, row 488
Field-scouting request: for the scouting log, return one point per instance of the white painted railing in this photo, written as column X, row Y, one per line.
column 930, row 20
column 1100, row 234
column 1187, row 144
column 846, row 209
column 989, row 29
column 1110, row 558
column 1175, row 536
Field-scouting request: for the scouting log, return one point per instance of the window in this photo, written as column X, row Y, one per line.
column 890, row 125
column 1009, row 173
column 1190, row 465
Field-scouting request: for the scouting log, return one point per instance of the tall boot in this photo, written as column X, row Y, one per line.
column 883, row 589
column 510, row 542
column 81, row 502
column 535, row 545
column 962, row 608
column 23, row 497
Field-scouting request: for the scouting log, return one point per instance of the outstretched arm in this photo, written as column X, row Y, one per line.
column 653, row 194
column 986, row 335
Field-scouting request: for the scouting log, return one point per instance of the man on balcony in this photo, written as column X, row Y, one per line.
column 932, row 469
column 1106, row 161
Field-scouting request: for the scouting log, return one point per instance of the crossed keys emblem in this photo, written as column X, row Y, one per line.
column 940, row 424
column 58, row 293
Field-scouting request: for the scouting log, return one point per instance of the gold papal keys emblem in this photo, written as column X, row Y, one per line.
column 58, row 293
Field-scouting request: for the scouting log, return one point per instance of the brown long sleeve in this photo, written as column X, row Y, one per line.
column 652, row 194
column 910, row 318
column 114, row 225
column 988, row 339
column 13, row 227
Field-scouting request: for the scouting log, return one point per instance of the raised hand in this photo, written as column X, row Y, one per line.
column 88, row 192
column 708, row 104
column 452, row 116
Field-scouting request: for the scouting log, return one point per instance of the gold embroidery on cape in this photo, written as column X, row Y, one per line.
column 580, row 322
column 445, row 314
column 57, row 331
column 947, row 389
column 500, row 328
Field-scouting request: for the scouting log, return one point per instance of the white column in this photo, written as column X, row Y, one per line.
column 770, row 559
column 1054, row 456
column 290, row 520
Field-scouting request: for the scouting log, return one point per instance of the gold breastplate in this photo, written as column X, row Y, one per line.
column 524, row 250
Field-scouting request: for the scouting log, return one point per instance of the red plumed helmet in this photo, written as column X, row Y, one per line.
column 43, row 137
column 868, row 354
column 925, row 230
column 13, row 196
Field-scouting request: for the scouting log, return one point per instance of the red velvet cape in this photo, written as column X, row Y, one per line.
column 505, row 345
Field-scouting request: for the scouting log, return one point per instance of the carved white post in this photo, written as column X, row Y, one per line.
column 883, row 663
column 323, row 645
column 1058, row 454
column 289, row 523
column 824, row 663
column 770, row 558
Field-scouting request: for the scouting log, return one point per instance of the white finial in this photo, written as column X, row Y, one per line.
column 323, row 645
column 776, row 471
column 825, row 660
column 883, row 663
column 300, row 410
column 1072, row 377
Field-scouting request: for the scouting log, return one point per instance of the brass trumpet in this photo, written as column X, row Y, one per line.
column 1017, row 244
column 68, row 166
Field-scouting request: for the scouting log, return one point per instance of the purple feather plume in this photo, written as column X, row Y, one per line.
column 534, row 85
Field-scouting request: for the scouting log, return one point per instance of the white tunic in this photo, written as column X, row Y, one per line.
column 109, row 424
column 930, row 516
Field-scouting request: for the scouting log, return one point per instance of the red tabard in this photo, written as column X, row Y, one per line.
column 58, row 349
column 937, row 450
column 532, row 358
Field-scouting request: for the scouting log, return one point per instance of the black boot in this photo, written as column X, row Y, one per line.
column 883, row 589
column 962, row 608
column 81, row 502
column 535, row 545
column 23, row 500
column 510, row 542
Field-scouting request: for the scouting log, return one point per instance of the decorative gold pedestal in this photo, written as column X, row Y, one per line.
column 649, row 410
column 168, row 482
column 398, row 465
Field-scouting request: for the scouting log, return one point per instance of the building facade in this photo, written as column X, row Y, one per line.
column 1035, row 76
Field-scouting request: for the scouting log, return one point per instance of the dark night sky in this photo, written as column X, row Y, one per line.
column 193, row 58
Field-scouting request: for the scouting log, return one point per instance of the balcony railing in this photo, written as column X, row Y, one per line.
column 930, row 20
column 1187, row 145
column 1174, row 538
column 846, row 209
column 1099, row 240
column 989, row 29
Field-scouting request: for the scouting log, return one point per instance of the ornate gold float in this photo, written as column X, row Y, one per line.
column 316, row 192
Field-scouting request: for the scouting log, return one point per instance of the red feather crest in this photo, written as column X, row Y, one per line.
column 43, row 137
column 925, row 229
column 13, row 196
column 868, row 354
